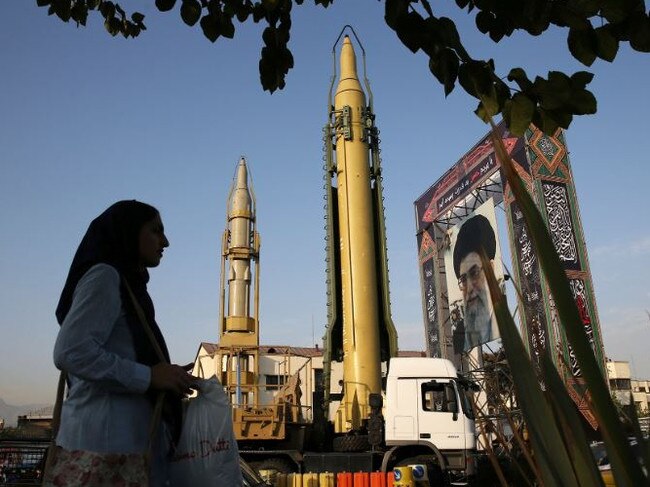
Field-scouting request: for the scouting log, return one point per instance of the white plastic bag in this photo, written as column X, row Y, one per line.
column 207, row 454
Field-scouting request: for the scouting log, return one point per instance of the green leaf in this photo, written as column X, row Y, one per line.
column 409, row 29
column 484, row 21
column 268, row 75
column 269, row 36
column 475, row 78
column 243, row 12
column 226, row 27
column 258, row 12
column 615, row 10
column 444, row 67
column 79, row 13
column 550, row 451
column 488, row 107
column 286, row 59
column 556, row 91
column 137, row 17
column 582, row 45
column 107, row 9
column 581, row 79
column 111, row 27
column 588, row 8
column 497, row 31
column 62, row 10
column 394, row 11
column 270, row 5
column 120, row 10
column 606, row 43
column 544, row 121
column 566, row 15
column 550, row 97
column 570, row 424
column 521, row 111
column 518, row 75
column 165, row 5
column 640, row 33
column 583, row 102
column 448, row 33
column 562, row 117
column 190, row 12
column 210, row 27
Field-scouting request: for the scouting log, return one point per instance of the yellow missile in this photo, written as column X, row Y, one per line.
column 240, row 217
column 361, row 362
column 239, row 326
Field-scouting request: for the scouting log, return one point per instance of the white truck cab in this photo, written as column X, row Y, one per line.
column 428, row 405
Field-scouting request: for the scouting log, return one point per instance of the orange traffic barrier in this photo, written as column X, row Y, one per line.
column 344, row 479
column 361, row 479
column 378, row 479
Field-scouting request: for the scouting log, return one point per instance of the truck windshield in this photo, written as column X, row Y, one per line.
column 466, row 400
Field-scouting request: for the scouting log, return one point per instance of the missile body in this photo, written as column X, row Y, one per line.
column 362, row 328
column 240, row 217
column 239, row 327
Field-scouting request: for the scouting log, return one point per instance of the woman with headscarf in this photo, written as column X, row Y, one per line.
column 116, row 368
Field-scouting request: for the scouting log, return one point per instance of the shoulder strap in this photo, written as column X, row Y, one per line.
column 143, row 320
column 157, row 411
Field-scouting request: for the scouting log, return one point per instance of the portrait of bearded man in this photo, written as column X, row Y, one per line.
column 474, row 236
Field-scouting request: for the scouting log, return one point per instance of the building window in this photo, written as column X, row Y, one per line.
column 620, row 384
column 274, row 382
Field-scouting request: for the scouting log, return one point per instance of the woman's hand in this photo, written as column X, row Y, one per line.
column 171, row 377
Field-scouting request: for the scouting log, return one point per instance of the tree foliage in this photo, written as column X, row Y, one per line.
column 595, row 28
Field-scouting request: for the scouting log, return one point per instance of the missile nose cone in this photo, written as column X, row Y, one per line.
column 348, row 60
column 241, row 197
column 242, row 175
column 348, row 79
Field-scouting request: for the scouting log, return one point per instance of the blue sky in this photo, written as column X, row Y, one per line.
column 87, row 119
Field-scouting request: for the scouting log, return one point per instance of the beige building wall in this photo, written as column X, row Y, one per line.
column 641, row 394
column 620, row 382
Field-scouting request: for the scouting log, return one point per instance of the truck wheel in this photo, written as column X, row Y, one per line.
column 436, row 475
column 351, row 443
column 277, row 465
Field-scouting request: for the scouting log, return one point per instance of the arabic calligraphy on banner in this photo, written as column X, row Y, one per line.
column 430, row 309
column 560, row 223
column 531, row 288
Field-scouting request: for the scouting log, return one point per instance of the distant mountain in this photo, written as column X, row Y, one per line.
column 10, row 413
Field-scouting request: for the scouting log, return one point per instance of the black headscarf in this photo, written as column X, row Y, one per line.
column 113, row 238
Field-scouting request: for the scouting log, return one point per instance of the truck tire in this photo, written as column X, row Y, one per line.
column 436, row 476
column 351, row 443
column 277, row 465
